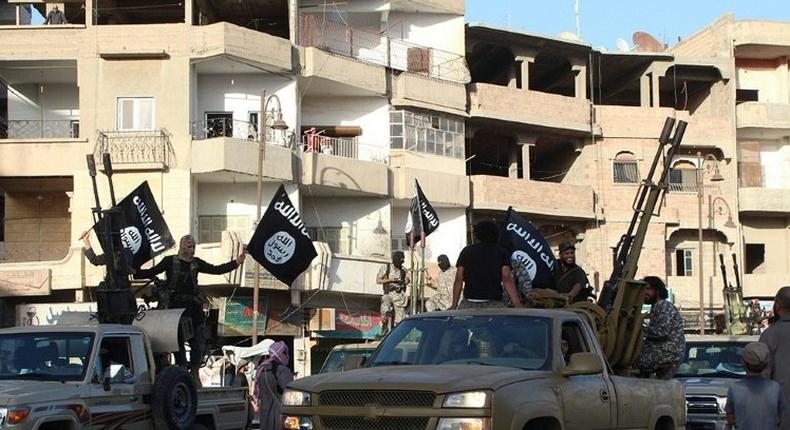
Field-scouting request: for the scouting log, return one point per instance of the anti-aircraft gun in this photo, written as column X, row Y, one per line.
column 734, row 308
column 114, row 298
column 618, row 312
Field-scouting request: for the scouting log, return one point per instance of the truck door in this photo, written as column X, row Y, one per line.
column 585, row 398
column 119, row 365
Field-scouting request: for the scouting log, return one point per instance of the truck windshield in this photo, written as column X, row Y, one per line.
column 334, row 362
column 500, row 340
column 45, row 356
column 712, row 360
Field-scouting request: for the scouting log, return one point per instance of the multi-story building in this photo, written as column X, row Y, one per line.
column 373, row 95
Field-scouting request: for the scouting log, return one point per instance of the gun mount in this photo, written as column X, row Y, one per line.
column 618, row 312
column 114, row 297
column 734, row 309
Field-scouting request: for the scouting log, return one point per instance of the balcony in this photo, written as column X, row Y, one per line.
column 136, row 149
column 646, row 123
column 344, row 164
column 341, row 76
column 371, row 47
column 455, row 7
column 354, row 274
column 772, row 116
column 423, row 92
column 535, row 108
column 52, row 143
column 40, row 278
column 267, row 51
column 225, row 145
column 442, row 178
column 550, row 199
column 766, row 201
column 764, row 284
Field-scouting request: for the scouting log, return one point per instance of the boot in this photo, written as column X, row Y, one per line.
column 384, row 326
column 194, row 371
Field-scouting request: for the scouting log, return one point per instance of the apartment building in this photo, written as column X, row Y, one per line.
column 565, row 133
column 373, row 96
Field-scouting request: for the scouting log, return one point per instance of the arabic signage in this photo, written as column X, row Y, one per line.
column 48, row 313
column 236, row 316
column 356, row 325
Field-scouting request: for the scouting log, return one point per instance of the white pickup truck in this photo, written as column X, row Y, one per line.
column 103, row 376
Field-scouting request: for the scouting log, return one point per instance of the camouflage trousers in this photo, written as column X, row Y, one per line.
column 393, row 303
column 466, row 304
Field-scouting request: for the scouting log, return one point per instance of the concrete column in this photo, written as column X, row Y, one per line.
column 525, row 142
column 656, row 92
column 580, row 81
column 90, row 9
column 784, row 79
column 644, row 90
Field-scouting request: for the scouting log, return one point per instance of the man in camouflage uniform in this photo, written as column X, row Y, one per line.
column 443, row 283
column 394, row 279
column 665, row 343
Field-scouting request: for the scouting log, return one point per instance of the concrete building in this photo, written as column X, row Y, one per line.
column 373, row 95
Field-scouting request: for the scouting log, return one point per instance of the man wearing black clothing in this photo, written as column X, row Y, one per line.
column 482, row 271
column 570, row 278
column 182, row 292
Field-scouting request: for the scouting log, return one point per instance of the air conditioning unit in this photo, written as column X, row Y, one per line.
column 418, row 60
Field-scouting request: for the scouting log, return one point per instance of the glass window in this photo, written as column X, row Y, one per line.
column 45, row 356
column 712, row 360
column 136, row 113
column 626, row 168
column 337, row 238
column 431, row 134
column 684, row 261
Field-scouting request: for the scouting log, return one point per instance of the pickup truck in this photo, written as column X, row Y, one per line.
column 484, row 369
column 103, row 376
column 710, row 365
column 338, row 355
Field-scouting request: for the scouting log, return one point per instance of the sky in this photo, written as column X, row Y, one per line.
column 604, row 21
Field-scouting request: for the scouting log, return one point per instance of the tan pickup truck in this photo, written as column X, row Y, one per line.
column 103, row 376
column 487, row 369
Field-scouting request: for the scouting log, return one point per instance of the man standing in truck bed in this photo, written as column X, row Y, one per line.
column 182, row 292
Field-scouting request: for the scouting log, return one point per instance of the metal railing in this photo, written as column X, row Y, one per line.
column 226, row 127
column 40, row 129
column 135, row 146
column 348, row 147
column 371, row 47
column 683, row 187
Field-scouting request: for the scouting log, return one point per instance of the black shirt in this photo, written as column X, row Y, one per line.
column 566, row 279
column 482, row 263
column 185, row 283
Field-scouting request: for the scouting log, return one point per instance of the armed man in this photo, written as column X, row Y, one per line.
column 182, row 292
column 394, row 280
column 569, row 277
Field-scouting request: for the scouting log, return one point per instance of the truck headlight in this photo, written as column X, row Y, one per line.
column 469, row 399
column 17, row 415
column 296, row 398
column 464, row 424
column 722, row 401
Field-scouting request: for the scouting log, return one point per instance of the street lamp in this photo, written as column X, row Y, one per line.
column 701, row 170
column 720, row 210
column 277, row 124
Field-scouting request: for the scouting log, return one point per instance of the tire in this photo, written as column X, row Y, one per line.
column 174, row 399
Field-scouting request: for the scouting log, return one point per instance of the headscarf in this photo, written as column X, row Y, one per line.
column 183, row 253
column 278, row 353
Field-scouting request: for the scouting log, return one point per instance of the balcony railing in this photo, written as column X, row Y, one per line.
column 683, row 187
column 371, row 47
column 135, row 146
column 343, row 147
column 40, row 129
column 226, row 127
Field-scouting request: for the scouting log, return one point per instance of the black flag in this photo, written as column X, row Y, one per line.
column 280, row 242
column 145, row 233
column 423, row 219
column 527, row 246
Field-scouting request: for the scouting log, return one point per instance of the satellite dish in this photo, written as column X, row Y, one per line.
column 622, row 45
column 644, row 42
column 567, row 35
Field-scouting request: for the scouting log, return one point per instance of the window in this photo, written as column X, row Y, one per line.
column 212, row 226
column 572, row 340
column 626, row 169
column 219, row 124
column 338, row 238
column 755, row 258
column 683, row 177
column 427, row 133
column 744, row 95
column 684, row 261
column 114, row 361
column 136, row 113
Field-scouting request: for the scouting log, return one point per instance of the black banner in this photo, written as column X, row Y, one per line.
column 145, row 234
column 281, row 243
column 528, row 247
column 423, row 219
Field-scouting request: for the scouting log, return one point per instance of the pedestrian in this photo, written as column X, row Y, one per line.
column 271, row 378
column 443, row 284
column 55, row 16
column 394, row 281
column 777, row 337
column 754, row 402
column 483, row 271
column 665, row 343
column 569, row 278
column 182, row 291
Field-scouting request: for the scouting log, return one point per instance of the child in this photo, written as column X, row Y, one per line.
column 754, row 402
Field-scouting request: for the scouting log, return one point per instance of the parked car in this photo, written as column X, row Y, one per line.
column 710, row 365
column 337, row 356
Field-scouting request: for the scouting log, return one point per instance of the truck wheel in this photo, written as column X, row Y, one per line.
column 174, row 399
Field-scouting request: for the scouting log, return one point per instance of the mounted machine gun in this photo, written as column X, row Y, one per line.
column 734, row 309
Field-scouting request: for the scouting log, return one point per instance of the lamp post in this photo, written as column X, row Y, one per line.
column 715, row 178
column 277, row 124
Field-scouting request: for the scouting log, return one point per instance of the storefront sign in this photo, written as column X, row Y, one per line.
column 236, row 316
column 357, row 325
column 48, row 313
column 34, row 282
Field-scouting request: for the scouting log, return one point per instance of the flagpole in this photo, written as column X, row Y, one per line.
column 423, row 272
column 261, row 155
column 413, row 279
